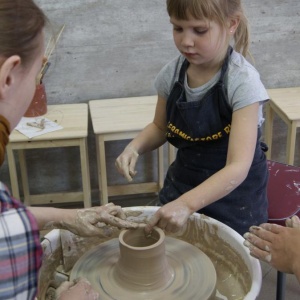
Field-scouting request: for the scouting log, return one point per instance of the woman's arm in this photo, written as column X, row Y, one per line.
column 83, row 222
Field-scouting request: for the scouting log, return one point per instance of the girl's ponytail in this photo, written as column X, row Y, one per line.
column 242, row 36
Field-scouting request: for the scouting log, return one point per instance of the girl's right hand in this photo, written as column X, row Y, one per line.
column 126, row 162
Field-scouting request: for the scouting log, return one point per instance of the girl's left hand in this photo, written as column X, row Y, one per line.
column 171, row 217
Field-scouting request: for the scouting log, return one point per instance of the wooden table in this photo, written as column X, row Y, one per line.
column 284, row 102
column 120, row 119
column 74, row 120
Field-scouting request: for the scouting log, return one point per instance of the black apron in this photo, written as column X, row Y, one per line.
column 200, row 130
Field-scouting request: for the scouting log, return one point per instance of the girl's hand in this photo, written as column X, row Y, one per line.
column 79, row 290
column 171, row 217
column 126, row 162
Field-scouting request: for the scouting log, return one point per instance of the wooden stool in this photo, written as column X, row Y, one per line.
column 74, row 120
column 121, row 119
column 285, row 102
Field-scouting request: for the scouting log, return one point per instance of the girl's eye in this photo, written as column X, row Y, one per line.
column 201, row 31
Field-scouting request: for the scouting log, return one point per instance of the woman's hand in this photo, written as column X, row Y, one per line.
column 277, row 245
column 126, row 162
column 79, row 290
column 171, row 217
column 88, row 221
column 91, row 221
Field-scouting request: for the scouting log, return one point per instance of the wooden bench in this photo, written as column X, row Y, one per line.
column 121, row 119
column 74, row 120
column 285, row 103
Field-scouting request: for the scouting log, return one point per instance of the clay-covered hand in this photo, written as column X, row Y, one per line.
column 79, row 290
column 277, row 245
column 293, row 222
column 126, row 162
column 171, row 217
column 91, row 221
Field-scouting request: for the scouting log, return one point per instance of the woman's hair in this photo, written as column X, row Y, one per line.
column 215, row 10
column 21, row 22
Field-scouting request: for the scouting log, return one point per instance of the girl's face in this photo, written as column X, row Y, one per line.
column 203, row 43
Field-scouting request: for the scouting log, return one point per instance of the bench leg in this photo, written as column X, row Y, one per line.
column 12, row 172
column 291, row 143
column 85, row 173
column 160, row 160
column 102, row 176
column 24, row 176
column 269, row 129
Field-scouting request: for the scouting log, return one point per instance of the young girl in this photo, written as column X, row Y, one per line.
column 21, row 56
column 209, row 107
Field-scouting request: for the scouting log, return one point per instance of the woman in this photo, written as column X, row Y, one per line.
column 21, row 58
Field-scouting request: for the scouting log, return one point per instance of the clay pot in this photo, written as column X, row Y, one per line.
column 104, row 256
column 142, row 264
column 38, row 105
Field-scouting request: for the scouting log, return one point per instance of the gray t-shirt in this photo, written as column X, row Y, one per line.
column 242, row 81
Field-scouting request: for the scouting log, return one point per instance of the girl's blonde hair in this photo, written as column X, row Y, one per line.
column 215, row 10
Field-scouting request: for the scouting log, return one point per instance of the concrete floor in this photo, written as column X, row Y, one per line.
column 268, row 290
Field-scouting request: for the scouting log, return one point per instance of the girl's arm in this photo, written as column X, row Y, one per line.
column 150, row 138
column 242, row 142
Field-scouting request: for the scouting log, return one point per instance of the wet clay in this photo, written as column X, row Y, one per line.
column 139, row 267
column 233, row 276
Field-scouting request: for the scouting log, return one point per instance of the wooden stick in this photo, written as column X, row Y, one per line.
column 55, row 41
column 49, row 50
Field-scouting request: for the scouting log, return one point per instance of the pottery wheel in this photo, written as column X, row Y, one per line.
column 194, row 275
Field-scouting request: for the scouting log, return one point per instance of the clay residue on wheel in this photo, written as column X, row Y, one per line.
column 234, row 280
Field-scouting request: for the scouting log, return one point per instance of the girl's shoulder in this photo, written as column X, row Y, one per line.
column 172, row 68
column 168, row 75
column 242, row 74
column 243, row 82
column 240, row 66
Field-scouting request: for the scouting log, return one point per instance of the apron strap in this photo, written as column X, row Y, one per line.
column 183, row 69
column 225, row 64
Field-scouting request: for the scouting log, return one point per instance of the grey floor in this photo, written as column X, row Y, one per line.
column 268, row 290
